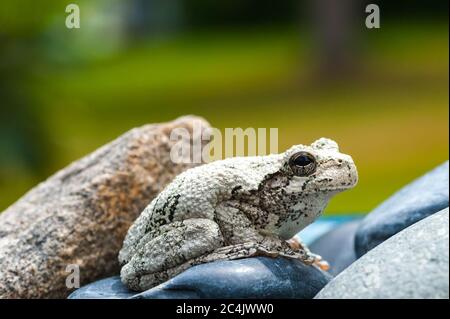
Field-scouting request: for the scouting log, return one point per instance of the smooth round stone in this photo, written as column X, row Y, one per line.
column 259, row 277
column 109, row 288
column 337, row 246
column 412, row 264
column 423, row 197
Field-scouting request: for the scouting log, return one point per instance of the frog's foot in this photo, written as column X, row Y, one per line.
column 319, row 262
column 323, row 265
column 296, row 244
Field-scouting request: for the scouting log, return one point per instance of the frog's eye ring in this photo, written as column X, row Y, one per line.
column 303, row 164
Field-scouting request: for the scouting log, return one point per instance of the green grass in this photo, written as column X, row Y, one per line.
column 393, row 119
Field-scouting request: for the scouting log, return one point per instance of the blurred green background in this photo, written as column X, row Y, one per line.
column 309, row 68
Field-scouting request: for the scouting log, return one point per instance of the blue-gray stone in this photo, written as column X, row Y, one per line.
column 109, row 288
column 423, row 197
column 322, row 226
column 337, row 246
column 411, row 264
column 259, row 277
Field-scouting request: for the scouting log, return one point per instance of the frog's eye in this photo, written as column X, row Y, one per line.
column 303, row 164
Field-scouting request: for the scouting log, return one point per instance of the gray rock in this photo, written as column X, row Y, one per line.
column 412, row 264
column 423, row 197
column 337, row 246
column 259, row 277
column 81, row 214
column 109, row 288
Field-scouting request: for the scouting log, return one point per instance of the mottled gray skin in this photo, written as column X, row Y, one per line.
column 234, row 208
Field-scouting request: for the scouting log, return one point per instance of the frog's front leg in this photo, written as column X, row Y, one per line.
column 267, row 247
column 238, row 222
column 164, row 252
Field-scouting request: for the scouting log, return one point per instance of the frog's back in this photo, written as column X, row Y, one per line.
column 195, row 192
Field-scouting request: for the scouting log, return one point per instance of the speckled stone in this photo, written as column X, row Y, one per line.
column 81, row 214
column 412, row 264
column 423, row 197
column 259, row 277
column 337, row 246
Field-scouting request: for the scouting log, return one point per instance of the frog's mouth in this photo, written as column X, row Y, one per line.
column 325, row 182
column 339, row 189
column 349, row 180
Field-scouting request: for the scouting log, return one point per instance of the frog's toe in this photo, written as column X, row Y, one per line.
column 294, row 243
column 323, row 265
column 129, row 278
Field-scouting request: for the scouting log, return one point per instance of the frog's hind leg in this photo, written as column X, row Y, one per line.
column 232, row 252
column 176, row 243
column 269, row 248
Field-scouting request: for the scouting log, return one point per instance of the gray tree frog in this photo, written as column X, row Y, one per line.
column 234, row 208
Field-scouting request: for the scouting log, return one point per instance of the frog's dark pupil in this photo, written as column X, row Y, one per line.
column 302, row 160
column 303, row 164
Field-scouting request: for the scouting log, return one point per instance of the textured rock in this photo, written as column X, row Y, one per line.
column 81, row 214
column 337, row 246
column 412, row 264
column 259, row 277
column 423, row 197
